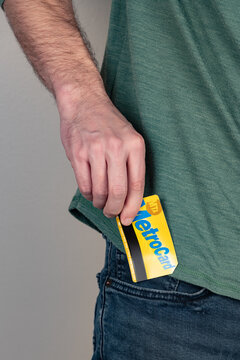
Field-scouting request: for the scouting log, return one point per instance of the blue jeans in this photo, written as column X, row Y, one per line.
column 160, row 319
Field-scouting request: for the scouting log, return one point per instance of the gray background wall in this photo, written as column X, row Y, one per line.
column 48, row 284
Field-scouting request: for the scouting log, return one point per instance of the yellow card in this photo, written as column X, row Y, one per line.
column 148, row 242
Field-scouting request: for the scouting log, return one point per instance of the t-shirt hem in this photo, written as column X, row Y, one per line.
column 204, row 280
column 84, row 214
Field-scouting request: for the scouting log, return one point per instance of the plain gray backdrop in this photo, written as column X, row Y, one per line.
column 48, row 259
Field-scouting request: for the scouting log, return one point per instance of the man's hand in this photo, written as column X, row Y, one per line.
column 106, row 154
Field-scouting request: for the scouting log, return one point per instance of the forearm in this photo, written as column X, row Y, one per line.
column 48, row 33
column 105, row 151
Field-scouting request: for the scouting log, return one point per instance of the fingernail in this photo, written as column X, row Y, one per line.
column 127, row 221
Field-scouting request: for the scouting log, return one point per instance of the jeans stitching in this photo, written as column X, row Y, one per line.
column 155, row 294
column 109, row 258
column 120, row 265
column 101, row 322
column 103, row 301
column 176, row 286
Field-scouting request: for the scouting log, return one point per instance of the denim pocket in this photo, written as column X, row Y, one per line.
column 192, row 292
column 116, row 276
column 165, row 287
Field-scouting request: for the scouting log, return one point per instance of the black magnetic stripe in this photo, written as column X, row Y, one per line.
column 135, row 251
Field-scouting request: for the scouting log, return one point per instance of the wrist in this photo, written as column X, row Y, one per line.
column 77, row 97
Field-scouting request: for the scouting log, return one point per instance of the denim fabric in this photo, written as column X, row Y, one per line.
column 160, row 319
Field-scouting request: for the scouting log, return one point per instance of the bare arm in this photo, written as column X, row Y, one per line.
column 105, row 151
column 49, row 35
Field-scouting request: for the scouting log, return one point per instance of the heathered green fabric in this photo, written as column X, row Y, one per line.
column 1, row 4
column 173, row 69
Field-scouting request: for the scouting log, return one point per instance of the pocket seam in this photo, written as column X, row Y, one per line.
column 154, row 294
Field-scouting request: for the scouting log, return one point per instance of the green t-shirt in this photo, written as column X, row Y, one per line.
column 173, row 70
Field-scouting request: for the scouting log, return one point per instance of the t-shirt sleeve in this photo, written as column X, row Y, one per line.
column 1, row 4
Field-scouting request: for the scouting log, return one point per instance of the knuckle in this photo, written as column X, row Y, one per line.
column 98, row 205
column 100, row 194
column 85, row 189
column 86, row 193
column 138, row 141
column 88, row 197
column 78, row 154
column 136, row 185
column 117, row 191
column 96, row 146
column 115, row 144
